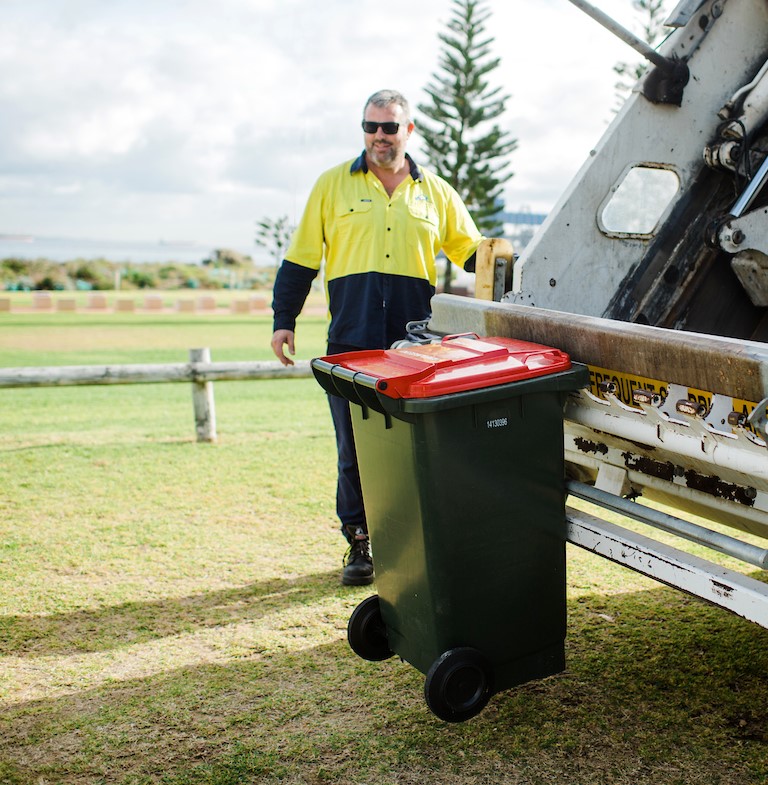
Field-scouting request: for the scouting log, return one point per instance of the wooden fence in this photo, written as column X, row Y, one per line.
column 200, row 371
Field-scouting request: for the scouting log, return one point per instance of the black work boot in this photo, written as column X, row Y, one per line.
column 358, row 564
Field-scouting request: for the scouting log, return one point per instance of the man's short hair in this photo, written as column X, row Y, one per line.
column 385, row 98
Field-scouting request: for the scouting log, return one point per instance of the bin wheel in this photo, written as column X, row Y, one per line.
column 459, row 684
column 367, row 633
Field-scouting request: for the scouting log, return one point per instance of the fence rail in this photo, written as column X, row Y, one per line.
column 199, row 371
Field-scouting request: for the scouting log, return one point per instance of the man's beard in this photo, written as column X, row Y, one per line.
column 382, row 156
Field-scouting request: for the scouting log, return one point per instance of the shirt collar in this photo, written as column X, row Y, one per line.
column 360, row 164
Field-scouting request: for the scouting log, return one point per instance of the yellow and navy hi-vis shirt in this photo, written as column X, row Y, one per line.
column 379, row 251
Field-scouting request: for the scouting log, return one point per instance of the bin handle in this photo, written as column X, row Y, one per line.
column 460, row 335
column 355, row 377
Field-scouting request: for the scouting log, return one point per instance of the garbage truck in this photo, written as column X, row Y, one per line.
column 652, row 270
column 651, row 275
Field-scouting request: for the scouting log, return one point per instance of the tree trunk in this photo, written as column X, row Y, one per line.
column 448, row 277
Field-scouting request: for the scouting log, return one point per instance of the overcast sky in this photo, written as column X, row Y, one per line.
column 190, row 120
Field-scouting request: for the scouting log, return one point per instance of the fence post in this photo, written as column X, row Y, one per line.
column 202, row 399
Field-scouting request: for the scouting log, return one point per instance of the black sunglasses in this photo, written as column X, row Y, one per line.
column 389, row 128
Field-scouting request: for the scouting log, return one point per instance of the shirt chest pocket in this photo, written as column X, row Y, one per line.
column 424, row 225
column 353, row 219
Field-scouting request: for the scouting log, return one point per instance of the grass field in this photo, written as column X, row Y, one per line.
column 171, row 612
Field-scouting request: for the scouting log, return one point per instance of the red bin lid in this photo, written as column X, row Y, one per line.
column 456, row 364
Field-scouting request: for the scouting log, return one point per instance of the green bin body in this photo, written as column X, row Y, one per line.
column 465, row 500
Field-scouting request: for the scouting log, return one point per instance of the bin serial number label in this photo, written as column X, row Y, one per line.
column 498, row 422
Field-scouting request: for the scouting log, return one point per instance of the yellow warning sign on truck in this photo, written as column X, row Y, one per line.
column 625, row 385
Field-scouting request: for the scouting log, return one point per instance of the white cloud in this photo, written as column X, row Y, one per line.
column 136, row 120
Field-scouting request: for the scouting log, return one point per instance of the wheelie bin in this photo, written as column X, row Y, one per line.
column 460, row 449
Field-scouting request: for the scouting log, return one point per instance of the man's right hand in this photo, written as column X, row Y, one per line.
column 280, row 339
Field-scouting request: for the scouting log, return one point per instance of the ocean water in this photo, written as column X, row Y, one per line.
column 63, row 249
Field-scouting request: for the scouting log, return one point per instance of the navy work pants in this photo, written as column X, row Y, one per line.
column 349, row 495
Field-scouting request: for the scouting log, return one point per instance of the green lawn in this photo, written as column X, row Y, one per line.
column 171, row 612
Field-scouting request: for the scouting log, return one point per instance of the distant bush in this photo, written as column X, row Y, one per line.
column 224, row 270
column 141, row 279
column 226, row 257
column 51, row 283
column 98, row 273
column 15, row 266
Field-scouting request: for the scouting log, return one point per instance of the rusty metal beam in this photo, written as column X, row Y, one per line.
column 740, row 594
column 719, row 365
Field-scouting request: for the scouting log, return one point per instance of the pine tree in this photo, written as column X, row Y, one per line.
column 462, row 142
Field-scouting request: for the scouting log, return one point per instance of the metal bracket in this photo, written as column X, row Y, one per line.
column 746, row 237
column 758, row 418
column 683, row 13
column 728, row 589
column 747, row 232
